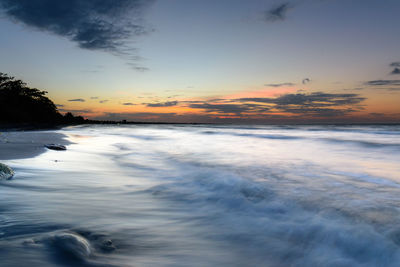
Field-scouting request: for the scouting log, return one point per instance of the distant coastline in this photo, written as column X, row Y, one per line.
column 54, row 126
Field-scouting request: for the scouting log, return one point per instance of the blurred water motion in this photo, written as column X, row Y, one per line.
column 207, row 196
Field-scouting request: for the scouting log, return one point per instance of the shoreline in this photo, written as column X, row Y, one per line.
column 17, row 144
column 21, row 141
column 9, row 127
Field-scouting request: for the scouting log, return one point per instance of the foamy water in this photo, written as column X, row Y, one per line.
column 207, row 196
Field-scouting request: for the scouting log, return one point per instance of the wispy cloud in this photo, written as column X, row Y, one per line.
column 128, row 104
column 164, row 104
column 383, row 82
column 103, row 101
column 279, row 84
column 137, row 67
column 278, row 13
column 77, row 100
column 173, row 96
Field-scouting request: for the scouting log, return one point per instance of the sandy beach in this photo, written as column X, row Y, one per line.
column 27, row 144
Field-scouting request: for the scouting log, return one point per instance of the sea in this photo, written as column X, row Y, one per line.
column 206, row 195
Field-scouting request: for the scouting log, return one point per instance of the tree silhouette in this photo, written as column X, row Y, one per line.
column 21, row 104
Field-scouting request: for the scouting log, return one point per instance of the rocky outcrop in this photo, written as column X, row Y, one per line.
column 5, row 172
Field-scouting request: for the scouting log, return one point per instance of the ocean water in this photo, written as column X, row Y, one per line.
column 165, row 195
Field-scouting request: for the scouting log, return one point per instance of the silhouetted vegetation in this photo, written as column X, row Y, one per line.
column 71, row 119
column 21, row 104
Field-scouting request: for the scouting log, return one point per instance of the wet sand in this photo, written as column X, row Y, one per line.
column 27, row 144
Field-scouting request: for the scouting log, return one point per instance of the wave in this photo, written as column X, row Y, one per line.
column 389, row 143
column 363, row 143
column 265, row 136
column 207, row 196
column 255, row 216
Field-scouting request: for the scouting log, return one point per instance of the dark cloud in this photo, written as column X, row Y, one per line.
column 306, row 80
column 94, row 97
column 104, row 25
column 59, row 105
column 277, row 13
column 128, row 104
column 103, row 101
column 77, row 100
column 395, row 64
column 164, row 104
column 383, row 83
column 226, row 109
column 279, row 84
column 313, row 99
column 317, row 104
column 395, row 71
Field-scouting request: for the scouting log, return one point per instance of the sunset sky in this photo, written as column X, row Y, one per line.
column 209, row 61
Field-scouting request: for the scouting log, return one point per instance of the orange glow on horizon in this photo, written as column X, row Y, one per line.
column 376, row 106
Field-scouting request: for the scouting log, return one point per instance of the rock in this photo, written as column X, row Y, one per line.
column 70, row 245
column 5, row 172
column 107, row 246
column 56, row 147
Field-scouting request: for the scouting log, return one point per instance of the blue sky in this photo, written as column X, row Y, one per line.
column 200, row 51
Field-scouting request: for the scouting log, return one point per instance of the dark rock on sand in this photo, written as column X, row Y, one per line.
column 5, row 172
column 56, row 147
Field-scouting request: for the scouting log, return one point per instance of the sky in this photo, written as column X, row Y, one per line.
column 226, row 61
